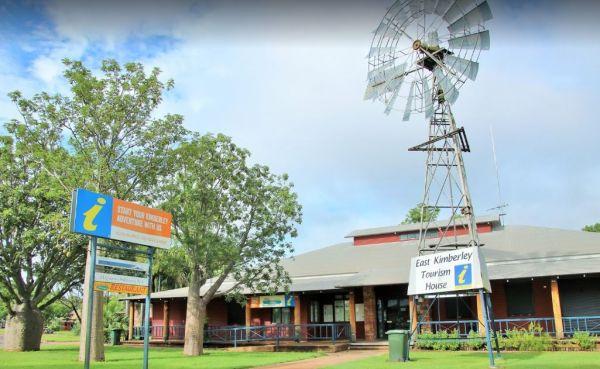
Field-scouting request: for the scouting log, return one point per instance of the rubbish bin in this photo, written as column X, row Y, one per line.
column 115, row 337
column 398, row 344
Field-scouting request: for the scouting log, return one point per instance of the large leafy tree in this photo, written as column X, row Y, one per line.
column 116, row 144
column 39, row 259
column 414, row 215
column 592, row 228
column 232, row 221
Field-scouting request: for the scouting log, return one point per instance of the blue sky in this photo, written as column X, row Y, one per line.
column 285, row 79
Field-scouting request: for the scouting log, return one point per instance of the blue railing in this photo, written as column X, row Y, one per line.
column 581, row 323
column 278, row 332
column 570, row 325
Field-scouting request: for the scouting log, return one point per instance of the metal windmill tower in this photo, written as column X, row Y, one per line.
column 422, row 53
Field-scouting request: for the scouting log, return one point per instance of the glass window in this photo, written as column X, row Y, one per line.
column 327, row 313
column 281, row 315
column 315, row 312
column 409, row 236
column 342, row 310
column 519, row 298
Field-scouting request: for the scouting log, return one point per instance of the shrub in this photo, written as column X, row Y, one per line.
column 54, row 325
column 531, row 339
column 584, row 340
column 441, row 341
column 474, row 342
column 76, row 329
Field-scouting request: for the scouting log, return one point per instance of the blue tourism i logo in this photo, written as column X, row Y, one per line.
column 462, row 275
column 92, row 214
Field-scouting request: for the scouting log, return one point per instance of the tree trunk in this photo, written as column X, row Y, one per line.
column 97, row 346
column 194, row 319
column 24, row 329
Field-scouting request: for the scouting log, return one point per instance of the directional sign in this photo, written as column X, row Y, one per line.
column 120, row 288
column 122, row 264
column 122, row 279
column 456, row 270
column 103, row 216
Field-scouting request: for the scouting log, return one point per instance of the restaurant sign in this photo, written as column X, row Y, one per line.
column 104, row 216
column 448, row 271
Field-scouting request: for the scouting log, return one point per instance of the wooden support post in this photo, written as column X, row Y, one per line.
column 248, row 312
column 298, row 317
column 412, row 310
column 370, row 313
column 556, row 309
column 352, row 308
column 480, row 316
column 131, row 319
column 166, row 318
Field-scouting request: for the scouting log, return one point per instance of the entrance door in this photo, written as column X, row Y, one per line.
column 392, row 313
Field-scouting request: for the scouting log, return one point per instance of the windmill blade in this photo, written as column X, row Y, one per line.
column 377, row 50
column 386, row 74
column 384, row 65
column 378, row 88
column 479, row 15
column 429, row 6
column 463, row 66
column 457, row 9
column 390, row 104
column 416, row 7
column 443, row 6
column 450, row 92
column 433, row 39
column 479, row 40
column 408, row 108
column 428, row 98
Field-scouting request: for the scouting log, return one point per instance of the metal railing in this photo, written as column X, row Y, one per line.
column 581, row 323
column 277, row 332
column 570, row 325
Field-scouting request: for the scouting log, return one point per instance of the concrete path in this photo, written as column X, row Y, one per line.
column 329, row 359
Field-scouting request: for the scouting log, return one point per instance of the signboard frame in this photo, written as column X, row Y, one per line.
column 98, row 215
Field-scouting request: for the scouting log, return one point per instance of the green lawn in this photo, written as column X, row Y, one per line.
column 65, row 357
column 60, row 336
column 472, row 360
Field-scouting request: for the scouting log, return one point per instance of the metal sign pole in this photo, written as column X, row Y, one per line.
column 487, row 329
column 90, row 306
column 147, row 309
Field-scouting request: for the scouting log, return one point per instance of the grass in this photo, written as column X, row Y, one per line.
column 119, row 357
column 479, row 360
column 60, row 336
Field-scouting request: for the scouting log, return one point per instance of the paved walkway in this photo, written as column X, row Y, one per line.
column 329, row 359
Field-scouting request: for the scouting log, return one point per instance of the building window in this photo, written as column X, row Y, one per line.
column 409, row 236
column 456, row 308
column 519, row 298
column 327, row 313
column 342, row 309
column 281, row 316
column 315, row 312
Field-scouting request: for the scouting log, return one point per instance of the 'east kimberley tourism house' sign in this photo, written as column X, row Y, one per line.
column 104, row 216
column 448, row 271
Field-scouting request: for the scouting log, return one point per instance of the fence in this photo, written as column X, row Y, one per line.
column 276, row 332
column 570, row 325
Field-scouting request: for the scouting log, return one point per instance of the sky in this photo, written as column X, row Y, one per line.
column 286, row 80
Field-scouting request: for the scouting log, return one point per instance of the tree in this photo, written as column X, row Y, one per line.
column 592, row 228
column 414, row 215
column 232, row 221
column 39, row 259
column 118, row 146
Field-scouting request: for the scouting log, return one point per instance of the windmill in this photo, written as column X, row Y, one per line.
column 422, row 53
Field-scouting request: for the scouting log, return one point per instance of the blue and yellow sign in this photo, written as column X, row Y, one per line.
column 462, row 275
column 103, row 216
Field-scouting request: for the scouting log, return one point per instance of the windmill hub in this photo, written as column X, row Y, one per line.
column 416, row 45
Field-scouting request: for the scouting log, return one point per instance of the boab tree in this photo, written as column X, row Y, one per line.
column 39, row 259
column 118, row 146
column 232, row 222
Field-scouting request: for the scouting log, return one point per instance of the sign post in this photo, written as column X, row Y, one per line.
column 90, row 305
column 98, row 215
